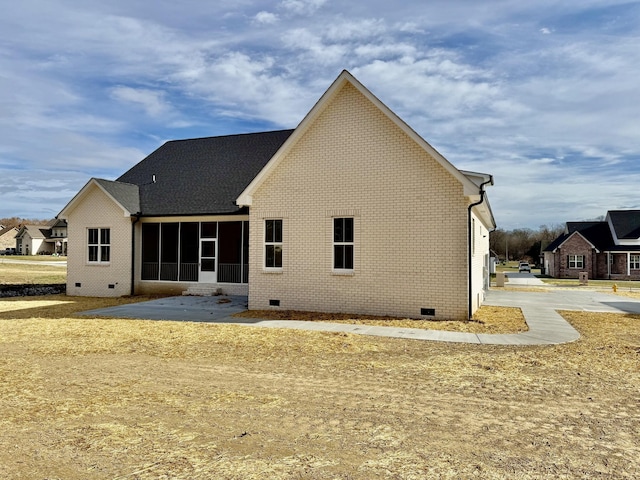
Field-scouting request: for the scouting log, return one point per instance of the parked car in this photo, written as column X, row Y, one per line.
column 524, row 267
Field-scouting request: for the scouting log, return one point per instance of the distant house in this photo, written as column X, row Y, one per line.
column 7, row 238
column 42, row 239
column 605, row 250
column 350, row 212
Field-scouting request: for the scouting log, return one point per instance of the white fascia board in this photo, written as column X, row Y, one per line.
column 64, row 213
column 581, row 236
column 246, row 197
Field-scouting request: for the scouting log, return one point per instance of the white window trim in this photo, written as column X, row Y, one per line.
column 575, row 257
column 634, row 264
column 266, row 243
column 342, row 271
column 99, row 245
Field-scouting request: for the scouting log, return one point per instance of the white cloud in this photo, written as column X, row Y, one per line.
column 266, row 18
column 302, row 7
column 152, row 102
column 509, row 88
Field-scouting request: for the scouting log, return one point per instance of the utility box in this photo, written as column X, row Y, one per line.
column 499, row 279
column 584, row 278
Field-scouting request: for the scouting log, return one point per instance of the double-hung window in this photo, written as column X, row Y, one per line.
column 576, row 261
column 343, row 243
column 273, row 244
column 635, row 262
column 99, row 245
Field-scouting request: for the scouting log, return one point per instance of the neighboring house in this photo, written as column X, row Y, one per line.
column 7, row 238
column 350, row 212
column 42, row 239
column 604, row 250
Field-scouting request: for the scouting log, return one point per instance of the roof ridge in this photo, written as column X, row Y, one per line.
column 230, row 135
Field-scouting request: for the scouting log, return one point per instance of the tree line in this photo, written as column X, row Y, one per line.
column 523, row 243
column 17, row 222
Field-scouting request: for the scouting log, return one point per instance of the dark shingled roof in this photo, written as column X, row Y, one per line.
column 201, row 176
column 626, row 223
column 126, row 193
column 597, row 233
column 557, row 242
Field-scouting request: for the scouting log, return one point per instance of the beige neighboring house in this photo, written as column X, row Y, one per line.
column 350, row 212
column 7, row 238
column 42, row 239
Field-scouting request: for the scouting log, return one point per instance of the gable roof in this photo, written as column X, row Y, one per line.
column 199, row 176
column 246, row 198
column 7, row 230
column 625, row 223
column 595, row 233
column 126, row 194
column 34, row 231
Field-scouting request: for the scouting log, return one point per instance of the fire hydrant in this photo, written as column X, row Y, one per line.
column 615, row 288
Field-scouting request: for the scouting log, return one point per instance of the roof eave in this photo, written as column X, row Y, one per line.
column 64, row 213
column 246, row 197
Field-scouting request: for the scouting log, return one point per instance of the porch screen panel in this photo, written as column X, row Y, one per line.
column 189, row 258
column 230, row 252
column 245, row 252
column 169, row 251
column 150, row 251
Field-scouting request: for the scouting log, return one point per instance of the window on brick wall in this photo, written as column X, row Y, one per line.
column 273, row 244
column 576, row 261
column 343, row 243
column 99, row 245
column 635, row 262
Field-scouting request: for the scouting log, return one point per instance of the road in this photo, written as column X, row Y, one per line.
column 53, row 263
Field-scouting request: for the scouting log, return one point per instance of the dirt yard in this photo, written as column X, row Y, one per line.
column 128, row 399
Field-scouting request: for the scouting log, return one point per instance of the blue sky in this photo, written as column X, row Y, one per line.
column 543, row 95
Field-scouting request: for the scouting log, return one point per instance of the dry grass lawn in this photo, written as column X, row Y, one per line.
column 18, row 273
column 487, row 319
column 130, row 399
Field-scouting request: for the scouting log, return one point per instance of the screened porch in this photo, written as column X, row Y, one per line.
column 204, row 252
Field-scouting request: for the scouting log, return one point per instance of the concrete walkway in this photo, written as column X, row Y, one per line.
column 546, row 326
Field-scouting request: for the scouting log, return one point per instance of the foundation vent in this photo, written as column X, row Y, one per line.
column 431, row 312
column 274, row 303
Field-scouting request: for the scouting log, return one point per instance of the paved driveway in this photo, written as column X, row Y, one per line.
column 564, row 298
column 546, row 326
column 524, row 278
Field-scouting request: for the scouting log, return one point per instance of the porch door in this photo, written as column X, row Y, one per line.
column 208, row 252
column 208, row 260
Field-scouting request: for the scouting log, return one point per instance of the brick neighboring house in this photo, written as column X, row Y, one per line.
column 605, row 250
column 42, row 239
column 7, row 237
column 350, row 212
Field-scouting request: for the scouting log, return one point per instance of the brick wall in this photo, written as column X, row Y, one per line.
column 575, row 245
column 410, row 220
column 98, row 211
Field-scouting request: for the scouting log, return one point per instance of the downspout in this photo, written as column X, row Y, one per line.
column 133, row 253
column 469, row 246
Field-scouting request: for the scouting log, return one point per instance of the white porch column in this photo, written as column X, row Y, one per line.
column 628, row 263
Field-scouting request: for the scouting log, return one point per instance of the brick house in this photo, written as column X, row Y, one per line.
column 609, row 249
column 7, row 237
column 350, row 212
